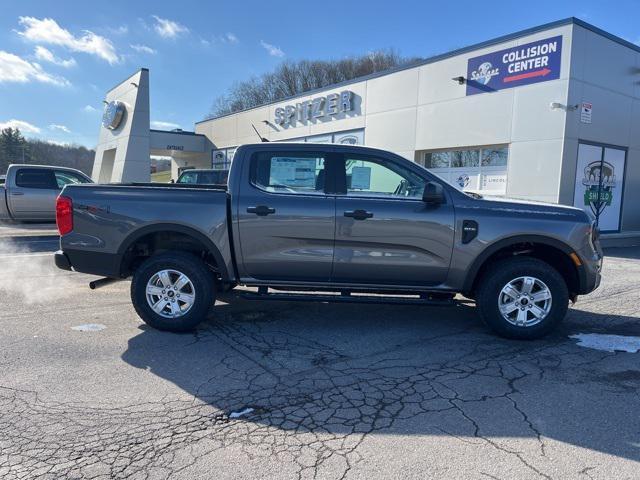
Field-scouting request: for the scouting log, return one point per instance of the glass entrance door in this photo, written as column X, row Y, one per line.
column 600, row 183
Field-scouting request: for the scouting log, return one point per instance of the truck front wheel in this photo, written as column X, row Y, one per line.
column 172, row 291
column 522, row 298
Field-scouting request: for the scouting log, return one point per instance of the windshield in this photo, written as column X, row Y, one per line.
column 188, row 177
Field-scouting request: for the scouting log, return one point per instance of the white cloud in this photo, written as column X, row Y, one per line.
column 24, row 127
column 90, row 109
column 58, row 142
column 62, row 128
column 143, row 49
column 46, row 55
column 164, row 125
column 272, row 49
column 230, row 38
column 168, row 28
column 18, row 70
column 121, row 30
column 48, row 31
column 226, row 38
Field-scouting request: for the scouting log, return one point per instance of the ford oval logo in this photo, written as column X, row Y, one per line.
column 113, row 114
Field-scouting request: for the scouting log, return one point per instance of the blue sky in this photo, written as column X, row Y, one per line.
column 57, row 59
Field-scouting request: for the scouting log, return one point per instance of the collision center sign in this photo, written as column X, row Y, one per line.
column 513, row 67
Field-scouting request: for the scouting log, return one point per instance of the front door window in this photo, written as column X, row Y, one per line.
column 381, row 178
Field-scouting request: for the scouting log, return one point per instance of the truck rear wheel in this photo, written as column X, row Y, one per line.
column 522, row 298
column 173, row 291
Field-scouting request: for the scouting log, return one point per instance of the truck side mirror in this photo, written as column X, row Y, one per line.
column 433, row 194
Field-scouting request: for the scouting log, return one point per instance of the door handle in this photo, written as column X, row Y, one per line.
column 261, row 210
column 358, row 214
column 16, row 194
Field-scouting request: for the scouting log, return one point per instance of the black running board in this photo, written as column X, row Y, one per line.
column 348, row 298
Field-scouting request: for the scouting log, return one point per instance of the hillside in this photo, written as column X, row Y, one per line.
column 14, row 148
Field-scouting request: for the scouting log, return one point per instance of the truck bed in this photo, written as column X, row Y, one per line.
column 108, row 218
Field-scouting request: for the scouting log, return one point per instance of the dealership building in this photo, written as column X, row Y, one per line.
column 551, row 113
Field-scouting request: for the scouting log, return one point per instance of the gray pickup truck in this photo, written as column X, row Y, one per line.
column 29, row 192
column 330, row 223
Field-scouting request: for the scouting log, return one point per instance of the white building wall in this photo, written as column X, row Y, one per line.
column 606, row 74
column 422, row 108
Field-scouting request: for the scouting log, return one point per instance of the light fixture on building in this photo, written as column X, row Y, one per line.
column 560, row 106
column 461, row 80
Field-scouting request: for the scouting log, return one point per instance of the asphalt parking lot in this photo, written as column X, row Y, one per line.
column 309, row 390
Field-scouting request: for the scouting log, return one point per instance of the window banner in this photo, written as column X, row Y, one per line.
column 355, row 137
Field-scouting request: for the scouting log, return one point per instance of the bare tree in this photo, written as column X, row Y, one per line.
column 293, row 78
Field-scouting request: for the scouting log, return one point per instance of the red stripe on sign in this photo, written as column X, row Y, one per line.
column 538, row 73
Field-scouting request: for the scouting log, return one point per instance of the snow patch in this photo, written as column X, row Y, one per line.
column 608, row 343
column 241, row 413
column 89, row 327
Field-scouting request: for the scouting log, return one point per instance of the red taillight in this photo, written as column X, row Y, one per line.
column 64, row 214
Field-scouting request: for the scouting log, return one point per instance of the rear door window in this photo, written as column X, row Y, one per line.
column 36, row 178
column 295, row 172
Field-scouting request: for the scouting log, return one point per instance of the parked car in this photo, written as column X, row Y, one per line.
column 333, row 219
column 29, row 191
column 204, row 177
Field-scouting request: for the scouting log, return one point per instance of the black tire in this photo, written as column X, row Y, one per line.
column 201, row 280
column 504, row 271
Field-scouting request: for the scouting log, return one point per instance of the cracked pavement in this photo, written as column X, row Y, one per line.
column 336, row 391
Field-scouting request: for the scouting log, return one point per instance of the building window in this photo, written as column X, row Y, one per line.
column 481, row 169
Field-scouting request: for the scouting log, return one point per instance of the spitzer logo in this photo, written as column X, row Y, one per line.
column 484, row 73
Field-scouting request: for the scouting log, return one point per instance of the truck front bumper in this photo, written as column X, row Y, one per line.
column 591, row 272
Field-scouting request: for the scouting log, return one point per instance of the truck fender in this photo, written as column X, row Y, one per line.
column 171, row 227
column 509, row 241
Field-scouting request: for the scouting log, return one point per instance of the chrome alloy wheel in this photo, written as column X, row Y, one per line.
column 170, row 293
column 525, row 301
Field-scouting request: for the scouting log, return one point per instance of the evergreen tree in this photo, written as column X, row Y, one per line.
column 13, row 147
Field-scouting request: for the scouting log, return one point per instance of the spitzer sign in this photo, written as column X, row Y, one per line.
column 513, row 67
